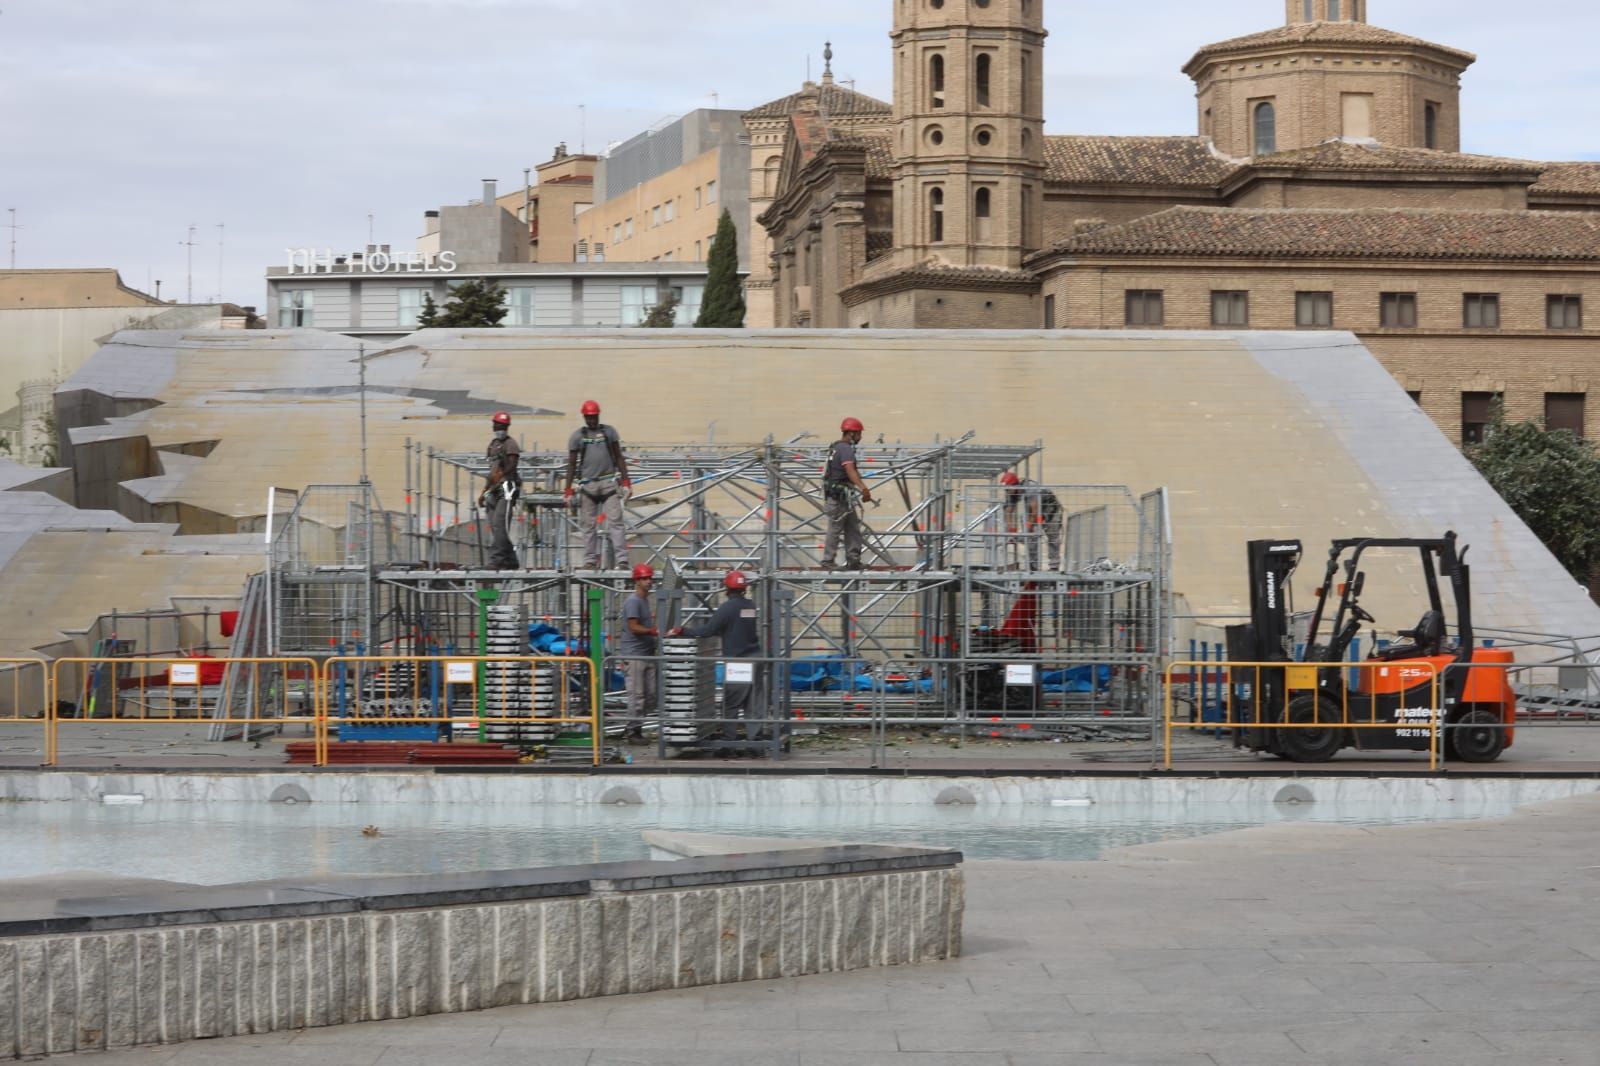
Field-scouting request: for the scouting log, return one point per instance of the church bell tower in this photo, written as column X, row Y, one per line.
column 969, row 131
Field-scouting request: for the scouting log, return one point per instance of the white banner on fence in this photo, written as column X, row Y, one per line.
column 460, row 673
column 184, row 674
column 1020, row 673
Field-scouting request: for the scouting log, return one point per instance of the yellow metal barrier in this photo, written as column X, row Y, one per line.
column 379, row 691
column 1301, row 679
column 223, row 692
column 27, row 695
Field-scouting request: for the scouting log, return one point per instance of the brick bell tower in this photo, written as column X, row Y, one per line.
column 969, row 131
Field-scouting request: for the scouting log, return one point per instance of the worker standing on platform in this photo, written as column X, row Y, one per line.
column 598, row 474
column 1033, row 511
column 842, row 491
column 638, row 644
column 499, row 499
column 738, row 624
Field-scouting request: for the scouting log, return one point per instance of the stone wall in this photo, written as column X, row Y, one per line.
column 257, row 959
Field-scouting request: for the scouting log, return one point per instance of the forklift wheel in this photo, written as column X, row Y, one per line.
column 1477, row 736
column 1312, row 745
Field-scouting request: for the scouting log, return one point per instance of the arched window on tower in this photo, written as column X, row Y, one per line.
column 1266, row 128
column 982, row 209
column 1334, row 14
column 936, row 215
column 936, row 79
column 1430, row 126
column 981, row 79
column 1310, row 14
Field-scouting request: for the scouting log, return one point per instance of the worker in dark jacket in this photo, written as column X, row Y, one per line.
column 499, row 499
column 738, row 624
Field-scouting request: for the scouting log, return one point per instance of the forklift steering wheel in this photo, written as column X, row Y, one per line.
column 1361, row 614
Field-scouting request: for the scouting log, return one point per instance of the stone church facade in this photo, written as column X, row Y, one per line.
column 1324, row 189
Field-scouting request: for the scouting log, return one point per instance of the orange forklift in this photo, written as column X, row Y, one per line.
column 1401, row 697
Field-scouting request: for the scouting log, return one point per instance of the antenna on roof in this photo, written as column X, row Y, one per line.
column 583, row 129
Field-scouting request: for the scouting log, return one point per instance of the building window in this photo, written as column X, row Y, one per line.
column 981, row 78
column 655, row 215
column 410, row 307
column 697, row 197
column 519, row 305
column 627, row 228
column 1564, row 410
column 936, row 214
column 1049, row 312
column 688, row 309
column 1310, row 11
column 1430, row 126
column 667, row 257
column 598, row 255
column 1230, row 307
column 1025, row 81
column 1266, row 128
column 1480, row 310
column 982, row 202
column 711, row 192
column 669, row 210
column 1477, row 415
column 637, row 300
column 1144, row 308
column 1025, row 206
column 1397, row 310
column 697, row 257
column 1563, row 312
column 1313, row 310
column 1333, row 11
column 616, row 233
column 936, row 80
column 295, row 307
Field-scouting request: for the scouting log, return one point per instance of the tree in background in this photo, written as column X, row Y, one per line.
column 1551, row 479
column 663, row 315
column 722, row 306
column 477, row 304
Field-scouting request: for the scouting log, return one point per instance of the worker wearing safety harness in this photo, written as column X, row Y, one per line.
column 596, row 465
column 638, row 643
column 1033, row 511
column 738, row 624
column 842, row 491
column 499, row 499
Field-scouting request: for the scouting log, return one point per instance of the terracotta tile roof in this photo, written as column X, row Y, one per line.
column 1345, row 155
column 835, row 99
column 880, row 152
column 1317, row 234
column 939, row 276
column 1568, row 178
column 1331, row 33
column 1133, row 161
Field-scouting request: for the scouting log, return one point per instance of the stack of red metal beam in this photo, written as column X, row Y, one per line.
column 390, row 752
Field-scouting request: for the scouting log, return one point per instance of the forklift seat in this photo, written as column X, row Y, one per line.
column 1425, row 640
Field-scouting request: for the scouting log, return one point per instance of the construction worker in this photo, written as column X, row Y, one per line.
column 1033, row 511
column 638, row 642
column 842, row 491
column 737, row 623
column 499, row 499
column 598, row 474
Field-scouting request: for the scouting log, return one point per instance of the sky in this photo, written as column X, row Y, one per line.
column 289, row 123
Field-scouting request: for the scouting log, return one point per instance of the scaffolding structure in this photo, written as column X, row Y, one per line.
column 959, row 613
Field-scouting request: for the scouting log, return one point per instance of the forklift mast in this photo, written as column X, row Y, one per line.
column 1266, row 638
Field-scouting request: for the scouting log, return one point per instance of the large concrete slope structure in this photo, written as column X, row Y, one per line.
column 1256, row 434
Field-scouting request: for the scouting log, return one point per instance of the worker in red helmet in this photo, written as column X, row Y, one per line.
column 737, row 622
column 842, row 490
column 1033, row 512
column 499, row 499
column 638, row 646
column 597, row 481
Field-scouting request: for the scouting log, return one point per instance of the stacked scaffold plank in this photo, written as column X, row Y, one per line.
column 688, row 691
column 516, row 689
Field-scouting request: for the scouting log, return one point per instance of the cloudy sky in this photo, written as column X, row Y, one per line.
column 291, row 121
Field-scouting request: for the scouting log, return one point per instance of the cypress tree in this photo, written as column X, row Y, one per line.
column 722, row 306
column 429, row 317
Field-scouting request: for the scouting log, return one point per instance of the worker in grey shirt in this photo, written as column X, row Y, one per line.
column 738, row 624
column 638, row 645
column 842, row 487
column 597, row 475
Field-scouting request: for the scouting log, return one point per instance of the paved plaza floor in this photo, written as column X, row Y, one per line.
column 1446, row 944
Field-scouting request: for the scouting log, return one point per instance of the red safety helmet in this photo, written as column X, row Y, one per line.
column 590, row 408
column 1010, row 478
column 501, row 419
column 851, row 425
column 644, row 572
column 736, row 581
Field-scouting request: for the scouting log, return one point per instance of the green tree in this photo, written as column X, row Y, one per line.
column 429, row 316
column 722, row 306
column 477, row 304
column 1551, row 479
column 663, row 315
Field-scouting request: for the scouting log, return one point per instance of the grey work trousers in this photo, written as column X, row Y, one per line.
column 594, row 512
column 1049, row 530
column 641, row 674
column 842, row 521
column 738, row 700
column 502, row 553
